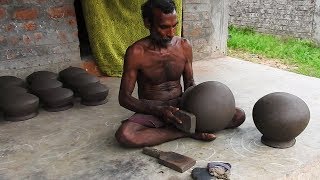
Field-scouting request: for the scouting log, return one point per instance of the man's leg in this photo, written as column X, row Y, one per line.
column 132, row 134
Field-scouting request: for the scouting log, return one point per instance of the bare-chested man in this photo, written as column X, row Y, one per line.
column 156, row 63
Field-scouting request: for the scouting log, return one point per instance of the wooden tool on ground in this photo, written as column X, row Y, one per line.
column 170, row 159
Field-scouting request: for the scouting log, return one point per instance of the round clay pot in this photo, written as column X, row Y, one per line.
column 280, row 117
column 41, row 86
column 58, row 99
column 8, row 81
column 70, row 72
column 94, row 94
column 81, row 80
column 39, row 75
column 19, row 107
column 212, row 103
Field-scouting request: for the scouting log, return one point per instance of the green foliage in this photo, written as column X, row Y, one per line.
column 301, row 53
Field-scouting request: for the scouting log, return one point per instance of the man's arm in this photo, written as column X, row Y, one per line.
column 129, row 77
column 188, row 80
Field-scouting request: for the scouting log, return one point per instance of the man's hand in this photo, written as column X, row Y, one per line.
column 166, row 112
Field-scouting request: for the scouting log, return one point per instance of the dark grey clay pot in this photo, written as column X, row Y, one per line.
column 58, row 99
column 19, row 107
column 12, row 89
column 39, row 75
column 82, row 80
column 8, row 81
column 280, row 117
column 212, row 103
column 70, row 72
column 41, row 86
column 94, row 94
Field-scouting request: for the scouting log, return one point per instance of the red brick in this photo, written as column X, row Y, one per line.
column 10, row 27
column 72, row 22
column 2, row 13
column 26, row 39
column 62, row 36
column 26, row 14
column 5, row 1
column 61, row 11
column 38, row 36
column 30, row 26
column 13, row 40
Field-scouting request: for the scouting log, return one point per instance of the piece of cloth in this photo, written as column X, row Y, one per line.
column 220, row 170
column 113, row 25
column 146, row 120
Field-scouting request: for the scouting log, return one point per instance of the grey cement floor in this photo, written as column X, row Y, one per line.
column 79, row 143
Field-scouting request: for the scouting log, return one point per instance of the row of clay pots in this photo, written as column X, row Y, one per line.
column 85, row 86
column 15, row 101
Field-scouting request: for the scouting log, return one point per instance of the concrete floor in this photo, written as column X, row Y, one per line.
column 79, row 143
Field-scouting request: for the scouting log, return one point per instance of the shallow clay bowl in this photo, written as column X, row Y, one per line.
column 70, row 72
column 81, row 80
column 93, row 94
column 58, row 99
column 40, row 86
column 19, row 107
column 8, row 81
column 39, row 75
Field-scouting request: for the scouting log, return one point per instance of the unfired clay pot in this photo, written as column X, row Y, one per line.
column 19, row 107
column 94, row 94
column 39, row 75
column 212, row 103
column 280, row 117
column 81, row 80
column 70, row 72
column 41, row 86
column 8, row 81
column 58, row 99
column 12, row 89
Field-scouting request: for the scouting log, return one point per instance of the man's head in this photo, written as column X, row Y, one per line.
column 160, row 18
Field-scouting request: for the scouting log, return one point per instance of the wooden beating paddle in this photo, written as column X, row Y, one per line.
column 170, row 159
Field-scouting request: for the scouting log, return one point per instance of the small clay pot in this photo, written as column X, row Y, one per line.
column 94, row 94
column 58, row 99
column 19, row 107
column 8, row 81
column 41, row 86
column 39, row 75
column 69, row 72
column 81, row 80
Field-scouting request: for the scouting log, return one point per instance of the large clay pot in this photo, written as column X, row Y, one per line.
column 58, row 99
column 280, row 117
column 41, row 86
column 70, row 72
column 93, row 94
column 19, row 107
column 212, row 103
column 81, row 80
column 39, row 75
column 8, row 81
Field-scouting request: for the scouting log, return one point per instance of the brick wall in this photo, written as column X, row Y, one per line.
column 205, row 24
column 281, row 17
column 37, row 35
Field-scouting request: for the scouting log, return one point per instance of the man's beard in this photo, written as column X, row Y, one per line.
column 162, row 42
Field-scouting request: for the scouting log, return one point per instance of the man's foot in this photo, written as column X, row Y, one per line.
column 237, row 119
column 203, row 136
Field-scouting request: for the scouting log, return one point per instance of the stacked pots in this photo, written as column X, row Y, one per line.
column 15, row 101
column 53, row 96
column 85, row 86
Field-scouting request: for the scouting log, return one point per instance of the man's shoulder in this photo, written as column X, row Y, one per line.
column 136, row 48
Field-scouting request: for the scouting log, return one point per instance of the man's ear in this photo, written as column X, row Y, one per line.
column 147, row 23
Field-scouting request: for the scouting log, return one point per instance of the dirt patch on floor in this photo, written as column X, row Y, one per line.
column 276, row 63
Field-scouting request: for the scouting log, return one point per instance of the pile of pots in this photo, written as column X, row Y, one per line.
column 20, row 100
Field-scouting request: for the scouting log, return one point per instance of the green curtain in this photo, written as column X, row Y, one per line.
column 113, row 25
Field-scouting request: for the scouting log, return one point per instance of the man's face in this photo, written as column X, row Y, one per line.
column 163, row 28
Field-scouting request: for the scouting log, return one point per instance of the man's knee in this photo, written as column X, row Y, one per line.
column 125, row 136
